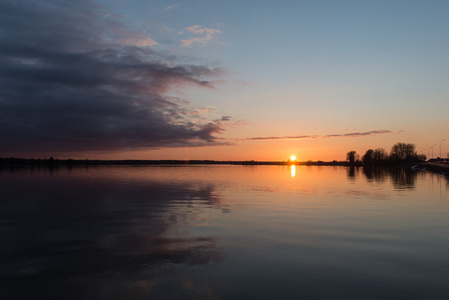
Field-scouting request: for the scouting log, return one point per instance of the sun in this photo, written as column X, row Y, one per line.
column 292, row 158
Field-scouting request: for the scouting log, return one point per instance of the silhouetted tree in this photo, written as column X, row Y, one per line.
column 380, row 155
column 403, row 152
column 351, row 156
column 368, row 158
column 400, row 152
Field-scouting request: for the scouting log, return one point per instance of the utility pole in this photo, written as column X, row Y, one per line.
column 440, row 147
column 432, row 149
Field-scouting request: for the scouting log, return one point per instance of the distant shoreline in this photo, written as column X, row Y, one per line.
column 6, row 162
column 439, row 168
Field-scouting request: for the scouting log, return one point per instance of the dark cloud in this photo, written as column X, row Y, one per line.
column 72, row 79
column 299, row 137
column 356, row 134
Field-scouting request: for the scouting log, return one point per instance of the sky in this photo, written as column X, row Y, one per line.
column 222, row 80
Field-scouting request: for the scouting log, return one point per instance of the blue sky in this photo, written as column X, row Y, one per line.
column 376, row 69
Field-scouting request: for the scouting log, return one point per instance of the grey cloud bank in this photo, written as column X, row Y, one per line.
column 70, row 81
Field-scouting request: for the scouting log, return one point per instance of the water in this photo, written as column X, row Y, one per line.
column 223, row 232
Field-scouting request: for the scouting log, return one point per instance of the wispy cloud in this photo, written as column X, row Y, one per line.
column 198, row 29
column 121, row 34
column 174, row 6
column 73, row 80
column 301, row 137
column 207, row 34
column 298, row 137
column 358, row 134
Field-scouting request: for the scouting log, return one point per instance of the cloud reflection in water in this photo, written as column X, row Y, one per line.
column 75, row 235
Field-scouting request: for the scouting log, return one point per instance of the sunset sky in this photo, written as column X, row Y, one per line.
column 222, row 80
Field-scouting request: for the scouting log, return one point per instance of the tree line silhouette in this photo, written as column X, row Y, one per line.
column 400, row 153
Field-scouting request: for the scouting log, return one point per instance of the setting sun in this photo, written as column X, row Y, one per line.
column 292, row 158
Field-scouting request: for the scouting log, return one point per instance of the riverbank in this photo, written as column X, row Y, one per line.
column 439, row 168
column 15, row 162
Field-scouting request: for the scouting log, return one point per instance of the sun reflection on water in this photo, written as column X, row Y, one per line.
column 293, row 170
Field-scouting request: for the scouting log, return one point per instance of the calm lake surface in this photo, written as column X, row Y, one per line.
column 223, row 232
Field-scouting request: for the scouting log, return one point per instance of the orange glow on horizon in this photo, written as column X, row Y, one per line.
column 307, row 150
